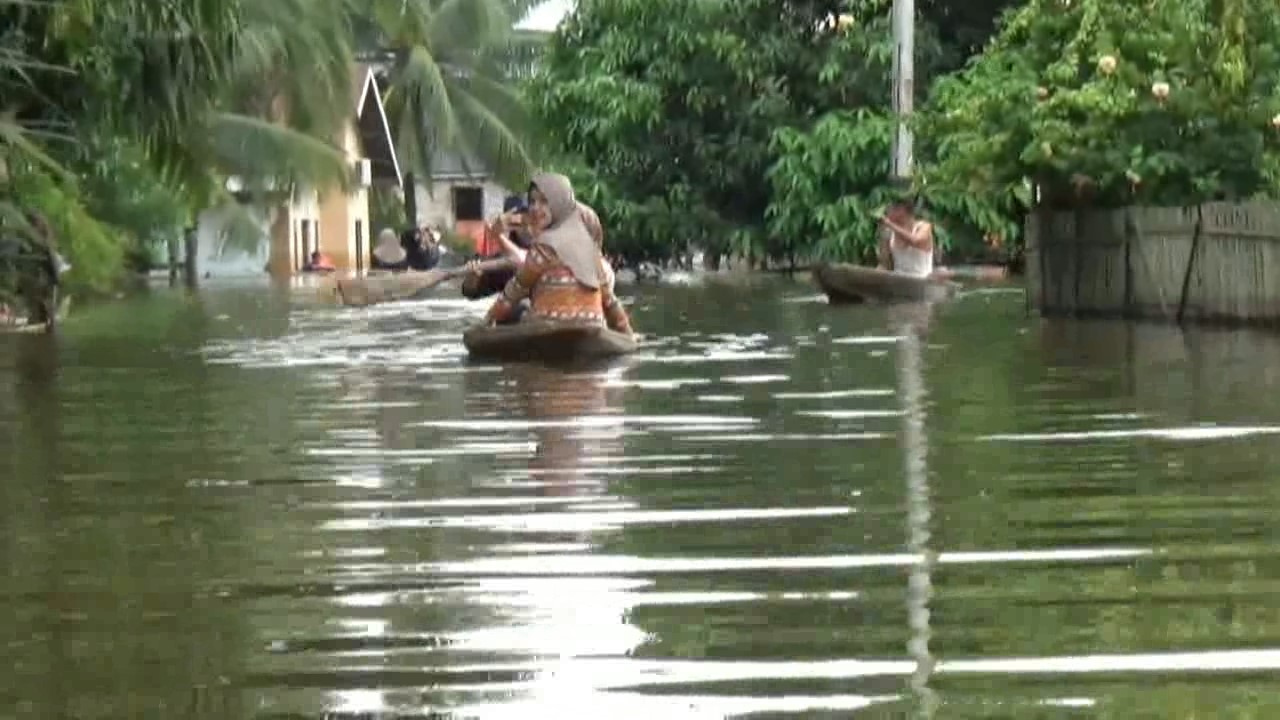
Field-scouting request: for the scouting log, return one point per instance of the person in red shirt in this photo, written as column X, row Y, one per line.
column 319, row 263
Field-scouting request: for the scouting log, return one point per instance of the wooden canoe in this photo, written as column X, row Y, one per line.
column 379, row 287
column 538, row 340
column 852, row 283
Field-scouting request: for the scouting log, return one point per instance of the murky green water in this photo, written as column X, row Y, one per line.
column 235, row 507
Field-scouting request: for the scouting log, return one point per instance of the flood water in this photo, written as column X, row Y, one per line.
column 243, row 505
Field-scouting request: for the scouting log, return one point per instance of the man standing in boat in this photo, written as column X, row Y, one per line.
column 906, row 242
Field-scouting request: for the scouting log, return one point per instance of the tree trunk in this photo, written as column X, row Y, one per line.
column 191, row 249
column 410, row 200
column 171, row 245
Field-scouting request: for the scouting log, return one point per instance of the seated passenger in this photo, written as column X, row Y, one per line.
column 564, row 277
column 319, row 263
column 388, row 253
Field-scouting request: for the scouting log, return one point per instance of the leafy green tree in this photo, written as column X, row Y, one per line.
column 176, row 94
column 1110, row 103
column 690, row 115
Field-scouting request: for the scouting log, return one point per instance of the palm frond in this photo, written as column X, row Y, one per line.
column 14, row 136
column 420, row 106
column 257, row 148
column 494, row 142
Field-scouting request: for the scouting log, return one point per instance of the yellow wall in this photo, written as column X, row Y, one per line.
column 339, row 213
column 280, row 259
column 294, row 221
column 334, row 216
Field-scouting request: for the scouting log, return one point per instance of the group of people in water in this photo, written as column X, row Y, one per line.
column 543, row 258
column 414, row 249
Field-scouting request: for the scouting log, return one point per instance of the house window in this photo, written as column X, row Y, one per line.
column 468, row 203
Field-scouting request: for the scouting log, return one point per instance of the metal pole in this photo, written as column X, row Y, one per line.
column 904, row 74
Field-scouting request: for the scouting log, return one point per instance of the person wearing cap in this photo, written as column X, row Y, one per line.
column 508, row 237
column 510, row 230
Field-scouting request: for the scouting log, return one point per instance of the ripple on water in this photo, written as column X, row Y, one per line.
column 378, row 527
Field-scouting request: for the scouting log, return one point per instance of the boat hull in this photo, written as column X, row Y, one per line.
column 545, row 341
column 853, row 284
column 381, row 287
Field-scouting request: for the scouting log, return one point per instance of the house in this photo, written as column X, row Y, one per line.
column 326, row 219
column 330, row 220
column 460, row 197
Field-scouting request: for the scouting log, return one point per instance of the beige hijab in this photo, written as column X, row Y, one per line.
column 567, row 235
column 388, row 249
column 592, row 221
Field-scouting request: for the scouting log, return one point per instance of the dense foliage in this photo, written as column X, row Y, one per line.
column 756, row 127
column 763, row 128
column 1158, row 102
column 120, row 121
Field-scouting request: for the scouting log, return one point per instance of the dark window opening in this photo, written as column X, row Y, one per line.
column 359, row 246
column 468, row 203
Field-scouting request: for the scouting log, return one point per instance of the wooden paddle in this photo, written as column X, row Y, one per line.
column 373, row 289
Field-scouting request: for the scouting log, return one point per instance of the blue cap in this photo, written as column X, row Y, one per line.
column 514, row 203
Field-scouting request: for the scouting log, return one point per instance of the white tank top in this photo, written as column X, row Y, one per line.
column 910, row 260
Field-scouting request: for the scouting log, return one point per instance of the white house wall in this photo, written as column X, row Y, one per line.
column 436, row 207
column 210, row 226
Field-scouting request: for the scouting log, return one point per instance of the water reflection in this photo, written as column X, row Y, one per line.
column 552, row 400
column 912, row 324
column 317, row 511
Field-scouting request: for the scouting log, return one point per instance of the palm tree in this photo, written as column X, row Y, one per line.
column 206, row 89
column 450, row 66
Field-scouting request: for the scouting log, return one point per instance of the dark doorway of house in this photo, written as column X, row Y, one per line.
column 468, row 203
column 359, row 246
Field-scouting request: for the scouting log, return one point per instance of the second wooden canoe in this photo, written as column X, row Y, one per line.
column 845, row 283
column 546, row 341
column 381, row 287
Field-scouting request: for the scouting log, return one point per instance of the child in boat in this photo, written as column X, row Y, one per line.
column 564, row 276
column 906, row 242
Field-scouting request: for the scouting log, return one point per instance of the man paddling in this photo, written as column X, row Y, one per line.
column 906, row 242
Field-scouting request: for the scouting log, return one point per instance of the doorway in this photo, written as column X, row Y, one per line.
column 468, row 203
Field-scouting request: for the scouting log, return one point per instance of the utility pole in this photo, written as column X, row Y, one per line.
column 904, row 73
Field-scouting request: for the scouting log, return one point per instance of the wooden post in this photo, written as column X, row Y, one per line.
column 1128, row 260
column 1191, row 263
column 191, row 248
column 1077, row 254
column 171, row 246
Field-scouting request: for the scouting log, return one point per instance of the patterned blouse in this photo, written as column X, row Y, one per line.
column 555, row 294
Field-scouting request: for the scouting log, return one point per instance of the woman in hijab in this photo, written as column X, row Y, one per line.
column 388, row 254
column 564, row 276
